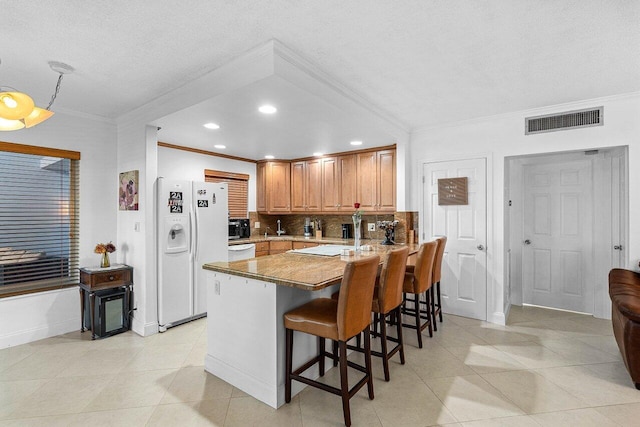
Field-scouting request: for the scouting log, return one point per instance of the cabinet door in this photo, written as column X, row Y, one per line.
column 279, row 183
column 330, row 184
column 347, row 182
column 298, row 186
column 261, row 187
column 367, row 180
column 313, row 185
column 386, row 176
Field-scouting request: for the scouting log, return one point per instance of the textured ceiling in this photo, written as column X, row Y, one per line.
column 424, row 62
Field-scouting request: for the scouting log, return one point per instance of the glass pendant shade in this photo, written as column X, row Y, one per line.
column 37, row 116
column 15, row 105
column 10, row 124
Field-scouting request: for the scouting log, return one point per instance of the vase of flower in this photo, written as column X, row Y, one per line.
column 105, row 250
column 357, row 223
column 388, row 227
column 104, row 262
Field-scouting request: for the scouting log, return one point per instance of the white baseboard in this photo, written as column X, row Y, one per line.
column 144, row 329
column 41, row 332
column 497, row 318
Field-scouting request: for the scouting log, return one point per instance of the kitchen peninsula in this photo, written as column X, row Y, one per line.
column 245, row 303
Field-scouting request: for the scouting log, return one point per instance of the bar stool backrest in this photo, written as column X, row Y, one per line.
column 391, row 279
column 437, row 268
column 356, row 295
column 423, row 272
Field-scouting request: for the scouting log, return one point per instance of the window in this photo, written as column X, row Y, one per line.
column 238, row 190
column 38, row 218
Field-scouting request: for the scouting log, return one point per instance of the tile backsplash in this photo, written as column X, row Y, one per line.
column 332, row 224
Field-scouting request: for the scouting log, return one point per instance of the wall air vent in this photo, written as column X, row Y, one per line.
column 562, row 121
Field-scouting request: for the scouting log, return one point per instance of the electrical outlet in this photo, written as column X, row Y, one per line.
column 256, row 224
column 372, row 226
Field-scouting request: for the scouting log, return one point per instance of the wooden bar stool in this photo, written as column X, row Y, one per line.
column 418, row 281
column 436, row 307
column 339, row 321
column 387, row 300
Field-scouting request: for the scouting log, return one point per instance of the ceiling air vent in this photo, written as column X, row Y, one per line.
column 562, row 121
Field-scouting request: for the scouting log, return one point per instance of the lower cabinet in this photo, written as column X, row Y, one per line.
column 303, row 245
column 279, row 246
column 262, row 249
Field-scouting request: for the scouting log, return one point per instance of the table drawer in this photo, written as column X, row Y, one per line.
column 114, row 277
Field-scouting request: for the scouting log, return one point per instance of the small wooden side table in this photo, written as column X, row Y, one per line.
column 94, row 279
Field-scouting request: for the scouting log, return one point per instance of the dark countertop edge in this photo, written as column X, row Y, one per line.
column 223, row 267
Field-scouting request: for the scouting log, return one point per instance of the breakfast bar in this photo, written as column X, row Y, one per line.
column 245, row 303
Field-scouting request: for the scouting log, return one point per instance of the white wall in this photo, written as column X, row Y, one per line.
column 30, row 317
column 180, row 164
column 503, row 136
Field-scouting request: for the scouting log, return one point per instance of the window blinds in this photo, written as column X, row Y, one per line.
column 39, row 221
column 238, row 190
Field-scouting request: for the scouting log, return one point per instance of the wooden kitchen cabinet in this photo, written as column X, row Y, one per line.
column 279, row 246
column 261, row 187
column 338, row 183
column 376, row 181
column 306, row 186
column 329, row 185
column 347, row 170
column 262, row 249
column 273, row 187
column 303, row 245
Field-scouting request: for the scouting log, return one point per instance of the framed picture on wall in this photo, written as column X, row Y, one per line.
column 128, row 191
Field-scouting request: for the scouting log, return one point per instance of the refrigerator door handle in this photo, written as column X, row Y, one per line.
column 190, row 233
column 195, row 235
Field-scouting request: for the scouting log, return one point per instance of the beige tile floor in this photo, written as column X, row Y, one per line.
column 545, row 368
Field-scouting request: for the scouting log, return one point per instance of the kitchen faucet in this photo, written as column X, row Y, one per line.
column 279, row 231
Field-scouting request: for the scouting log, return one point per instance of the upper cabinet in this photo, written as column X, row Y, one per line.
column 376, row 177
column 329, row 185
column 273, row 187
column 306, row 184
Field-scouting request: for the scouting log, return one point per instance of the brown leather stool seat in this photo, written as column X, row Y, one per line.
column 418, row 281
column 436, row 300
column 340, row 321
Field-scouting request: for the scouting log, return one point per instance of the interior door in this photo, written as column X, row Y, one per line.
column 464, row 267
column 557, row 253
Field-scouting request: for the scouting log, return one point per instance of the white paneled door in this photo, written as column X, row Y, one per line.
column 464, row 267
column 557, row 241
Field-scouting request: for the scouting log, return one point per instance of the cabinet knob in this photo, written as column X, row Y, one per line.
column 111, row 277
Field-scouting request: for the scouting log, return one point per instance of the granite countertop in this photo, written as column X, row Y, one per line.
column 302, row 271
column 323, row 240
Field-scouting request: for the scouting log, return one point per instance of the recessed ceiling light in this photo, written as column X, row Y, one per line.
column 220, row 146
column 267, row 109
column 212, row 126
column 318, row 154
column 269, row 156
column 356, row 142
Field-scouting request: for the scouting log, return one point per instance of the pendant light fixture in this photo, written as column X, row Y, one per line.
column 17, row 109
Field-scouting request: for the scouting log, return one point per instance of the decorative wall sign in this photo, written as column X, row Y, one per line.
column 452, row 191
column 128, row 198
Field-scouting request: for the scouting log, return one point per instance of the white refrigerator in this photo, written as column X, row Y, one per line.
column 192, row 230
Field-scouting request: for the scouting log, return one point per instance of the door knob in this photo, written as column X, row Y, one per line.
column 527, row 242
column 618, row 247
column 480, row 247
